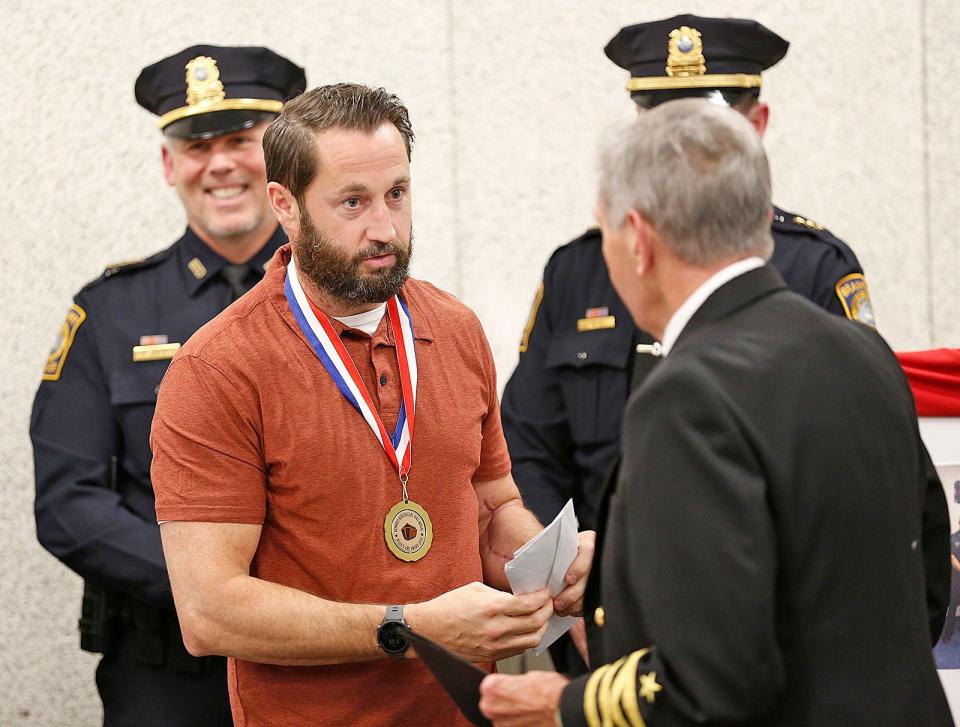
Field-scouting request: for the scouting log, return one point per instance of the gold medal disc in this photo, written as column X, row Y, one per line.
column 408, row 531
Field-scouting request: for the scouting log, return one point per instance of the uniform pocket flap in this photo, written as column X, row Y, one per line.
column 592, row 348
column 137, row 387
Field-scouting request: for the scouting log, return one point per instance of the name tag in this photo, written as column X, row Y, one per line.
column 596, row 324
column 155, row 352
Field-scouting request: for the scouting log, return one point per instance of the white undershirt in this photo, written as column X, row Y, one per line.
column 366, row 322
column 678, row 321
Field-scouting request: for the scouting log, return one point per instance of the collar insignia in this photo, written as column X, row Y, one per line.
column 198, row 269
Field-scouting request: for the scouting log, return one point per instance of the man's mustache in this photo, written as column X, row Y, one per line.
column 379, row 248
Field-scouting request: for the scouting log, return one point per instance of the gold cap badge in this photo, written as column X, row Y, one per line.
column 685, row 53
column 206, row 94
column 203, row 81
column 687, row 67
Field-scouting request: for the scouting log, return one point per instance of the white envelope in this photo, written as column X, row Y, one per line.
column 544, row 561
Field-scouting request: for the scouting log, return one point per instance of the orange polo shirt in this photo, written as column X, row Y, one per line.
column 250, row 428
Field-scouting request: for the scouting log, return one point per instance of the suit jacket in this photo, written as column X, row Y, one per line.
column 776, row 541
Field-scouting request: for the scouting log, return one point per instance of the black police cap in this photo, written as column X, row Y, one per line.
column 208, row 90
column 690, row 55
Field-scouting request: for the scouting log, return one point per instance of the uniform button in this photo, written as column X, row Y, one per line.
column 599, row 618
column 582, row 355
column 383, row 379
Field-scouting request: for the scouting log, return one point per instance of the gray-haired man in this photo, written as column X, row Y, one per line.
column 736, row 581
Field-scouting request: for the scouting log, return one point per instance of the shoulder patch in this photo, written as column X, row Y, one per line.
column 855, row 299
column 61, row 347
column 534, row 309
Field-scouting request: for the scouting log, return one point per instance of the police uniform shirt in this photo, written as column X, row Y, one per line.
column 96, row 401
column 563, row 404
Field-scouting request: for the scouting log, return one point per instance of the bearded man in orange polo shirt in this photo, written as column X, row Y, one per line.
column 328, row 456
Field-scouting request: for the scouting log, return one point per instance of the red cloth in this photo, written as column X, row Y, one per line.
column 934, row 377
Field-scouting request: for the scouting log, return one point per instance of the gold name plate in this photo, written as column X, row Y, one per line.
column 596, row 324
column 155, row 352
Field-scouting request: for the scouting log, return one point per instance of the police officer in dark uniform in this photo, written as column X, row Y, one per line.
column 91, row 418
column 581, row 354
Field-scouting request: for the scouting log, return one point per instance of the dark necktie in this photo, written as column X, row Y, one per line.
column 240, row 278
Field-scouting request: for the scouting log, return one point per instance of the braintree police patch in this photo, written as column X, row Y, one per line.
column 58, row 354
column 855, row 298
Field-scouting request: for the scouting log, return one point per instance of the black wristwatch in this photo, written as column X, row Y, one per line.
column 390, row 633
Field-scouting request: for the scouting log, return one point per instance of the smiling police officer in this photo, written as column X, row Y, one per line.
column 92, row 413
column 581, row 353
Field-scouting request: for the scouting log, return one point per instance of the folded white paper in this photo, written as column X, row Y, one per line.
column 544, row 561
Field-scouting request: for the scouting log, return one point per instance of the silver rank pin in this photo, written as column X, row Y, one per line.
column 652, row 349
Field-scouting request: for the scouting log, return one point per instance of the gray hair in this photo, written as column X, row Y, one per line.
column 698, row 173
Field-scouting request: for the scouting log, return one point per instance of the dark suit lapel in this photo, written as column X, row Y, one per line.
column 731, row 296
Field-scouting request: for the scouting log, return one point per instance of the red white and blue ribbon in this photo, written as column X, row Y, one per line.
column 328, row 347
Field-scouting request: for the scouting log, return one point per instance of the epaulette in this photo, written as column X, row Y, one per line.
column 590, row 236
column 130, row 266
column 790, row 222
column 570, row 252
column 114, row 267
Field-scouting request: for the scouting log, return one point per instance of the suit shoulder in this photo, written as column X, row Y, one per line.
column 799, row 227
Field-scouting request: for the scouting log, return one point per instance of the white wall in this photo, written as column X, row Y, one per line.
column 507, row 100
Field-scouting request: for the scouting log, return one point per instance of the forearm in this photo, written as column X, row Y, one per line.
column 256, row 620
column 510, row 525
column 224, row 610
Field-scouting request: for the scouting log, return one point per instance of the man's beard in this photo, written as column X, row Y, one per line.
column 339, row 276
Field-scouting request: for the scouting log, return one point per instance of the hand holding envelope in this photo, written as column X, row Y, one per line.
column 545, row 561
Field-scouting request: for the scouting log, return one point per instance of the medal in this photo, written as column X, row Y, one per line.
column 408, row 531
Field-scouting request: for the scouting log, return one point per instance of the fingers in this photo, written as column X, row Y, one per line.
column 526, row 699
column 580, row 567
column 569, row 602
column 527, row 603
column 527, row 625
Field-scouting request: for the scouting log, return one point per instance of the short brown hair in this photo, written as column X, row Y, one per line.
column 288, row 142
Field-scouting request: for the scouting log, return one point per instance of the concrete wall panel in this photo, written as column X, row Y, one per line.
column 942, row 132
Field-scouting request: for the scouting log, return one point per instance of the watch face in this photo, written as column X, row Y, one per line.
column 391, row 639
